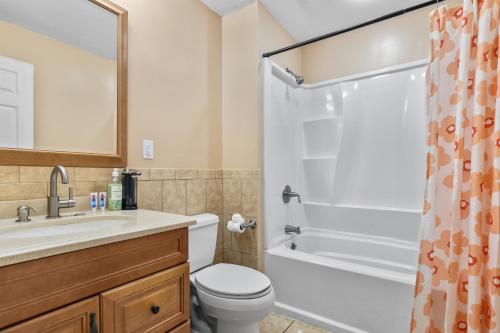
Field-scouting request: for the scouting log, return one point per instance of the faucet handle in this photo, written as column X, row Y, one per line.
column 23, row 213
column 70, row 193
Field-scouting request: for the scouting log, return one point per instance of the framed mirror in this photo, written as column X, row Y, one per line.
column 63, row 83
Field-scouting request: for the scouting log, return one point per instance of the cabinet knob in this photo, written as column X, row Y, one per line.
column 155, row 309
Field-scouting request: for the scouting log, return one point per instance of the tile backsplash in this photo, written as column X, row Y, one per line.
column 180, row 191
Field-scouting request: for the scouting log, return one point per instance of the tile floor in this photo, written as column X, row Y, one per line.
column 278, row 323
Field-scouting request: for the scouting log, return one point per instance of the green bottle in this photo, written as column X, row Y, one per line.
column 115, row 190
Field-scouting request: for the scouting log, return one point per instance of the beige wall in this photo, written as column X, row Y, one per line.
column 175, row 92
column 174, row 83
column 273, row 36
column 388, row 43
column 240, row 88
column 75, row 107
column 246, row 34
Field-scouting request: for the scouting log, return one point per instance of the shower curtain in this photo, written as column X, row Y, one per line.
column 458, row 280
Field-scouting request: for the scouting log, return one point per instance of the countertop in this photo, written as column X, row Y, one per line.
column 40, row 238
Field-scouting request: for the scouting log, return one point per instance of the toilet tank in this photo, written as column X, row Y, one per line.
column 202, row 241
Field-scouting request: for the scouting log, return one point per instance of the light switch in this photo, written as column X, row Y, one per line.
column 148, row 150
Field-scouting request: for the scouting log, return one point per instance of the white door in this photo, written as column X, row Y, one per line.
column 16, row 104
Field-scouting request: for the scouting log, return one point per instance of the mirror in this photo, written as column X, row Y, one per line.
column 63, row 81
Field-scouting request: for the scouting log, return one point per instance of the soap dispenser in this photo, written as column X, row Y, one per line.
column 129, row 181
column 115, row 192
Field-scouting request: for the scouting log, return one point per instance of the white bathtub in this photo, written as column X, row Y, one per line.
column 345, row 282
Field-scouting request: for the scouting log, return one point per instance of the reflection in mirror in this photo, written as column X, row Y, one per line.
column 58, row 76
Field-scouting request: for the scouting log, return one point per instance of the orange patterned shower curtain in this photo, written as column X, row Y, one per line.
column 458, row 280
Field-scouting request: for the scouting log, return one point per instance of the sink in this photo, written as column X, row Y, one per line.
column 64, row 229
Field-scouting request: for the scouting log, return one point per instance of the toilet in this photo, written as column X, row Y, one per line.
column 225, row 298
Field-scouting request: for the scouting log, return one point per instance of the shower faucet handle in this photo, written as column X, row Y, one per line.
column 288, row 193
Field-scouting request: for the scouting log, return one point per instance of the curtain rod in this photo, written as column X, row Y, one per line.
column 361, row 25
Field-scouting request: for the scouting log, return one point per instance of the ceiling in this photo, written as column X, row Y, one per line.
column 304, row 19
column 76, row 22
column 224, row 7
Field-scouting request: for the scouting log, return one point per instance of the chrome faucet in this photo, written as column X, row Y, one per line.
column 291, row 229
column 53, row 202
column 287, row 194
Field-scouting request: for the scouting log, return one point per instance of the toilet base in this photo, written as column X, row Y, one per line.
column 234, row 326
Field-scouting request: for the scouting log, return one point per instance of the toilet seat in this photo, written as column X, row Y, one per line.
column 233, row 281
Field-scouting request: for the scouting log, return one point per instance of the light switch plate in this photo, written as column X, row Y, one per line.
column 148, row 149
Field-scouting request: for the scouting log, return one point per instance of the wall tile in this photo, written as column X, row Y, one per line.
column 232, row 257
column 214, row 196
column 80, row 189
column 249, row 261
column 206, row 173
column 186, row 173
column 161, row 174
column 196, row 196
column 81, row 204
column 250, row 196
column 174, row 196
column 231, row 196
column 8, row 209
column 220, row 232
column 36, row 174
column 149, row 195
column 219, row 174
column 93, row 174
column 219, row 256
column 227, row 235
column 9, row 174
column 23, row 191
column 254, row 247
column 101, row 186
column 242, row 242
column 228, row 173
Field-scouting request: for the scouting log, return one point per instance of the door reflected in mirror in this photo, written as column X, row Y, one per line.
column 58, row 76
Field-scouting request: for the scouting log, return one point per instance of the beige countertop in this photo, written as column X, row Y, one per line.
column 20, row 242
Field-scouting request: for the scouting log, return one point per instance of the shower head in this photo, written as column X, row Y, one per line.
column 298, row 78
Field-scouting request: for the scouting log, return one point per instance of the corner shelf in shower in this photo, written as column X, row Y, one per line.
column 319, row 174
column 322, row 137
column 380, row 208
column 325, row 118
column 317, row 204
column 309, row 158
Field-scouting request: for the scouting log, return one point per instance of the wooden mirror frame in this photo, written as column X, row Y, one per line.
column 14, row 156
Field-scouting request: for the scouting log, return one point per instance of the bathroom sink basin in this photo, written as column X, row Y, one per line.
column 40, row 238
column 52, row 231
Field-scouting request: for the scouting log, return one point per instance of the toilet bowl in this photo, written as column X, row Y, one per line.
column 225, row 298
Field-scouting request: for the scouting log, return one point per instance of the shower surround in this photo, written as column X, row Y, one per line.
column 354, row 148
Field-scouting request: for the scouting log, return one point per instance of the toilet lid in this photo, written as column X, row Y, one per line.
column 233, row 280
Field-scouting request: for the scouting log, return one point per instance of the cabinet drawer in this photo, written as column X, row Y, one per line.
column 183, row 328
column 75, row 318
column 156, row 303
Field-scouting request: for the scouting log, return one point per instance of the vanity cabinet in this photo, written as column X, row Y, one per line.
column 138, row 285
column 76, row 318
column 156, row 303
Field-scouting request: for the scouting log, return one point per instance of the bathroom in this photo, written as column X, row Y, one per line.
column 245, row 166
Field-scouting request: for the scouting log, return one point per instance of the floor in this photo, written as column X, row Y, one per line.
column 278, row 323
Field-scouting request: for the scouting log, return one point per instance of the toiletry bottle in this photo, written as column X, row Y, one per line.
column 115, row 192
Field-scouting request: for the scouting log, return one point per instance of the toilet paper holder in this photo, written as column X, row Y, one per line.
column 252, row 224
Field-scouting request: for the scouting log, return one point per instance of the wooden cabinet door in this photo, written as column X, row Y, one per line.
column 157, row 303
column 80, row 317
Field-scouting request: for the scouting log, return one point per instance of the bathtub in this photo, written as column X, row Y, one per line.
column 345, row 282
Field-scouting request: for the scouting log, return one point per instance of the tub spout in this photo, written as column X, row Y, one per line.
column 291, row 229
